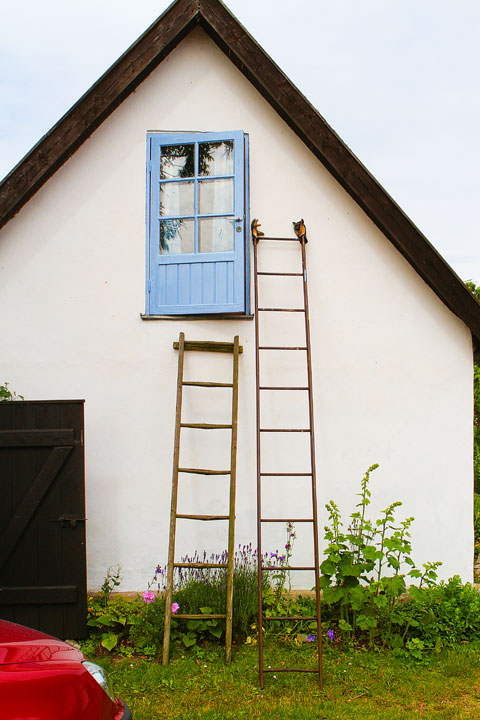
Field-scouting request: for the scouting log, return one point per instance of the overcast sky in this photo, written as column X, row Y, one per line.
column 398, row 80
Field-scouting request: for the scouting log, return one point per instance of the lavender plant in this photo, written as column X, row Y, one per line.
column 198, row 590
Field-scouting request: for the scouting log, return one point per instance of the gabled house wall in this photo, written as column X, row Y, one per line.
column 392, row 365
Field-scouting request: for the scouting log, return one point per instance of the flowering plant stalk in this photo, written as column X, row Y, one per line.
column 353, row 572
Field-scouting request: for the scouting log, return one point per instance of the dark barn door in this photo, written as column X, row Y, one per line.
column 42, row 516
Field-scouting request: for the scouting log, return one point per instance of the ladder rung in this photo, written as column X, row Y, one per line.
column 281, row 309
column 282, row 239
column 203, row 471
column 277, row 670
column 286, row 568
column 282, row 274
column 203, row 517
column 200, row 565
column 279, row 347
column 281, row 387
column 205, row 426
column 207, row 384
column 286, row 520
column 284, row 429
column 198, row 617
column 208, row 346
column 290, row 617
column 281, row 474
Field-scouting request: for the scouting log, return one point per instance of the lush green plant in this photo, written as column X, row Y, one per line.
column 475, row 290
column 111, row 623
column 476, row 522
column 443, row 615
column 356, row 586
column 7, row 394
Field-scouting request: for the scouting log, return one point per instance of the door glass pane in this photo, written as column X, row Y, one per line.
column 215, row 235
column 176, row 198
column 215, row 196
column 177, row 161
column 177, row 236
column 215, row 158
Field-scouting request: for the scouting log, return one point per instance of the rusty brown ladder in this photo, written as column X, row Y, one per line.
column 224, row 347
column 313, row 520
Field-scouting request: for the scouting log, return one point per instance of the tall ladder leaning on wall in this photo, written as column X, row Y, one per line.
column 261, row 519
column 203, row 346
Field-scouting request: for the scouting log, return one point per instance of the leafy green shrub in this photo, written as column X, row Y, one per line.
column 111, row 623
column 444, row 615
column 360, row 595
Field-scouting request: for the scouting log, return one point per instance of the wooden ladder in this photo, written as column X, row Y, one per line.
column 313, row 520
column 224, row 347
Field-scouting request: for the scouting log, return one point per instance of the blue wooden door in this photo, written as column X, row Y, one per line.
column 196, row 223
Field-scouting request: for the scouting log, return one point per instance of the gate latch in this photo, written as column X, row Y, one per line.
column 67, row 520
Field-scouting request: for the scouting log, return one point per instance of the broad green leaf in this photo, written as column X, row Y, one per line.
column 188, row 640
column 109, row 640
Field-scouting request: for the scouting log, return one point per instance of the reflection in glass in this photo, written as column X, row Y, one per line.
column 177, row 236
column 216, row 158
column 177, row 161
column 215, row 235
column 176, row 198
column 215, row 196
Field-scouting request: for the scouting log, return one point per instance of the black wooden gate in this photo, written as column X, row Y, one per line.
column 42, row 516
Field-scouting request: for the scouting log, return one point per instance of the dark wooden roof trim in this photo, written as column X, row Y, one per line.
column 149, row 50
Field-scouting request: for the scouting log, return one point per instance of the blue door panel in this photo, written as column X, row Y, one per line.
column 221, row 286
column 194, row 282
column 184, row 273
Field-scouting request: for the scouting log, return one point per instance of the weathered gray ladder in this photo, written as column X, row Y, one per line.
column 224, row 347
column 301, row 239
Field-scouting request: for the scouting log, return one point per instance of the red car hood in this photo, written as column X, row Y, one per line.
column 19, row 644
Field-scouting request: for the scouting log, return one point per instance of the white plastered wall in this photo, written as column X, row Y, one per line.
column 392, row 366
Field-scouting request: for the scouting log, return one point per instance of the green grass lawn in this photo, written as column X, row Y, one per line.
column 359, row 684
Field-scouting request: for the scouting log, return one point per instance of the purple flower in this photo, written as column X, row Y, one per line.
column 175, row 608
column 148, row 596
column 272, row 555
column 330, row 634
column 311, row 638
column 281, row 558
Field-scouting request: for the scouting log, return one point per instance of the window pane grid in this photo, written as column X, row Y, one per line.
column 217, row 235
